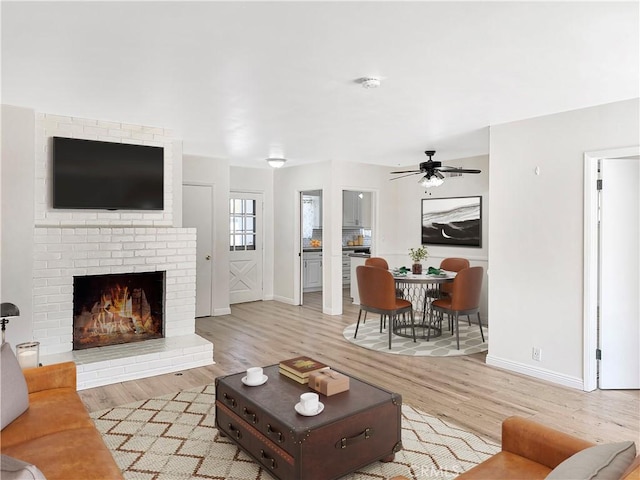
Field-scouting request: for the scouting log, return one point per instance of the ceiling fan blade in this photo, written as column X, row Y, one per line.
column 402, row 176
column 407, row 171
column 438, row 174
column 458, row 170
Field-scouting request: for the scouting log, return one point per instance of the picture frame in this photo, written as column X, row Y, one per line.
column 452, row 221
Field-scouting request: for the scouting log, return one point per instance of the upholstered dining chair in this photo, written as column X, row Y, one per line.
column 377, row 290
column 377, row 262
column 452, row 264
column 464, row 300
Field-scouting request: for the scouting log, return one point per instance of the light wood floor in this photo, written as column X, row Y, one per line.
column 462, row 389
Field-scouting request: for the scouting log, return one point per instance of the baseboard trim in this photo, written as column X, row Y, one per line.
column 221, row 311
column 540, row 373
column 288, row 301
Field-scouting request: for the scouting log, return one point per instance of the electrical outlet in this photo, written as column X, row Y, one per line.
column 536, row 354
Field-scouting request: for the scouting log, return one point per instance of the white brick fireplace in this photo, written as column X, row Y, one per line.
column 72, row 243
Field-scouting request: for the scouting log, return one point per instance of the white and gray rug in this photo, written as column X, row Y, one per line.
column 173, row 437
column 369, row 336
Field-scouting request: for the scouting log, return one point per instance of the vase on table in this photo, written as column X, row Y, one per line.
column 416, row 268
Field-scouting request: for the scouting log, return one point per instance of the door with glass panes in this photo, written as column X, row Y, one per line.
column 245, row 243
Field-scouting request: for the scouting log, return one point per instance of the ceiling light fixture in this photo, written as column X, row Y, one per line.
column 431, row 181
column 369, row 82
column 276, row 162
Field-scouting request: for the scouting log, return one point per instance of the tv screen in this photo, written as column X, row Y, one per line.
column 106, row 175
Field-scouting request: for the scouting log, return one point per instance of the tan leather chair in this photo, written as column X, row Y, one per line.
column 464, row 299
column 531, row 451
column 377, row 290
column 377, row 262
column 452, row 264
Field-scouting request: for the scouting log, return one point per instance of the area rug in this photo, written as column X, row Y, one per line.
column 173, row 437
column 369, row 336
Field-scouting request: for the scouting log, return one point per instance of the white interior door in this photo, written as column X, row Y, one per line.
column 245, row 257
column 620, row 273
column 197, row 211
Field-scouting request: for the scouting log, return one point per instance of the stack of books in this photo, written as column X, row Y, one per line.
column 299, row 368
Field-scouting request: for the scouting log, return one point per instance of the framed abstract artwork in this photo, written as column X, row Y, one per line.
column 452, row 221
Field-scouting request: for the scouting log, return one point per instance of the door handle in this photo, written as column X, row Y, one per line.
column 208, row 257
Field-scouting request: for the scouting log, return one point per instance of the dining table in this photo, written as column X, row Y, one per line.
column 420, row 290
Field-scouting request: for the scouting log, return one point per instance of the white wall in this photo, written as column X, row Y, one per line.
column 213, row 171
column 17, row 203
column 536, row 235
column 260, row 180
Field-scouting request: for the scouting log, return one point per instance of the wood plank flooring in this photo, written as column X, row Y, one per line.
column 462, row 389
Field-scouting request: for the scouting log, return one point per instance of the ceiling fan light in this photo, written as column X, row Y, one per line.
column 431, row 181
column 276, row 162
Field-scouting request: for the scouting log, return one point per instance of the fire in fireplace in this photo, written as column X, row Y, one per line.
column 118, row 308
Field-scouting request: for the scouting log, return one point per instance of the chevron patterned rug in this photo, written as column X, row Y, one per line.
column 369, row 336
column 173, row 437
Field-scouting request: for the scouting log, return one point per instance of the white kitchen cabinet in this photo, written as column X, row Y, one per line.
column 346, row 268
column 312, row 271
column 365, row 210
column 317, row 212
column 356, row 209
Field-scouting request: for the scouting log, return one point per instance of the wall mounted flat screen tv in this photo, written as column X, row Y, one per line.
column 106, row 175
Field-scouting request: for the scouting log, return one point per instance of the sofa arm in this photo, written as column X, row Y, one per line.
column 539, row 443
column 59, row 375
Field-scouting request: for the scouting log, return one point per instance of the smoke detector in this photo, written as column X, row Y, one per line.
column 369, row 82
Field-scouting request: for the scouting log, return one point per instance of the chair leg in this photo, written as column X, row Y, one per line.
column 358, row 324
column 391, row 319
column 457, row 331
column 469, row 319
column 413, row 325
column 480, row 325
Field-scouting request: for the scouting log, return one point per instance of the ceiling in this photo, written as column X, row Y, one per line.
column 247, row 80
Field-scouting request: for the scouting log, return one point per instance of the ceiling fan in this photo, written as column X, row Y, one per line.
column 433, row 171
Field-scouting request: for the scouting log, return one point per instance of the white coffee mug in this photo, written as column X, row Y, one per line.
column 309, row 402
column 254, row 375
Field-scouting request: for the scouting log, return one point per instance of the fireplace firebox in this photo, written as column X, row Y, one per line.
column 117, row 308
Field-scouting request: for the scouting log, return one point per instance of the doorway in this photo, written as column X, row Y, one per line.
column 311, row 238
column 246, row 252
column 611, row 266
column 197, row 211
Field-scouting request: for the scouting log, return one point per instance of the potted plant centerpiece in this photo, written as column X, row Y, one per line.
column 417, row 255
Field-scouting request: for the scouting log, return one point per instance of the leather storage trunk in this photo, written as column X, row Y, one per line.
column 357, row 427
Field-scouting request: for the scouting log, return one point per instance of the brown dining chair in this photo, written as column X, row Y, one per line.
column 464, row 300
column 380, row 262
column 452, row 264
column 377, row 290
column 377, row 262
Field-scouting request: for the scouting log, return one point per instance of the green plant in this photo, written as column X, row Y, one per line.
column 418, row 254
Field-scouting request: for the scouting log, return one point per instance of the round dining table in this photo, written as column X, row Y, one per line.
column 420, row 289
